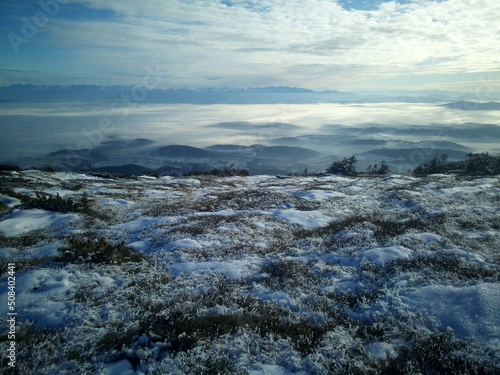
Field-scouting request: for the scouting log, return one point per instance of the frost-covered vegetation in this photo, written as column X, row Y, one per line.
column 252, row 275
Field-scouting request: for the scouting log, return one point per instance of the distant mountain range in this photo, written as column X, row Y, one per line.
column 288, row 155
column 136, row 156
column 253, row 95
column 398, row 145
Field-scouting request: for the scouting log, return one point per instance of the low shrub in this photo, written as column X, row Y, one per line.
column 436, row 165
column 441, row 266
column 346, row 167
column 377, row 169
column 3, row 207
column 53, row 203
column 23, row 240
column 483, row 164
column 98, row 251
column 44, row 169
column 286, row 273
column 475, row 164
column 383, row 228
column 10, row 168
column 184, row 331
column 13, row 194
column 439, row 352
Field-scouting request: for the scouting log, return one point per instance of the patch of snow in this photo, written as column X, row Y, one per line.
column 382, row 351
column 235, row 269
column 116, row 202
column 335, row 179
column 405, row 203
column 261, row 245
column 400, row 177
column 306, row 219
column 470, row 256
column 426, row 237
column 8, row 253
column 280, row 297
column 183, row 181
column 354, row 189
column 123, row 367
column 461, row 190
column 49, row 250
column 483, row 181
column 471, row 311
column 24, row 191
column 381, row 255
column 9, row 201
column 106, row 282
column 40, row 296
column 226, row 212
column 184, row 244
column 395, row 181
column 482, row 234
column 23, row 221
column 155, row 192
column 321, row 195
column 144, row 222
column 441, row 175
column 47, row 314
column 143, row 245
column 61, row 192
column 105, row 190
column 265, row 369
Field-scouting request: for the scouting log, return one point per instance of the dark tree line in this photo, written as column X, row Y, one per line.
column 347, row 167
column 475, row 164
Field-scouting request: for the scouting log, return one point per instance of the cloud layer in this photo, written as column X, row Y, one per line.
column 317, row 44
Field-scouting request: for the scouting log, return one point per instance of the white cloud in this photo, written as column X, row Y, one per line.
column 282, row 40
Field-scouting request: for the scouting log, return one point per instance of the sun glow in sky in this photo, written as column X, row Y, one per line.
column 316, row 44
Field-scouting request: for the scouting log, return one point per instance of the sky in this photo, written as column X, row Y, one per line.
column 315, row 44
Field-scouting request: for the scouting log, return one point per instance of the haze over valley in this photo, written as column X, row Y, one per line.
column 98, row 133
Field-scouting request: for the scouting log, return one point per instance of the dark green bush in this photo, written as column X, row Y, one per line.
column 483, row 164
column 98, row 251
column 436, row 165
column 52, row 203
column 59, row 204
column 10, row 168
column 377, row 169
column 45, row 169
column 346, row 167
column 476, row 164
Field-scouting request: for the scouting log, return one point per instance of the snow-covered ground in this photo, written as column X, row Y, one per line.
column 253, row 275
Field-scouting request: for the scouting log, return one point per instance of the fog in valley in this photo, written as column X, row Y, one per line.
column 60, row 133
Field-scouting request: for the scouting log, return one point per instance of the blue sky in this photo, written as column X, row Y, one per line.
column 316, row 44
